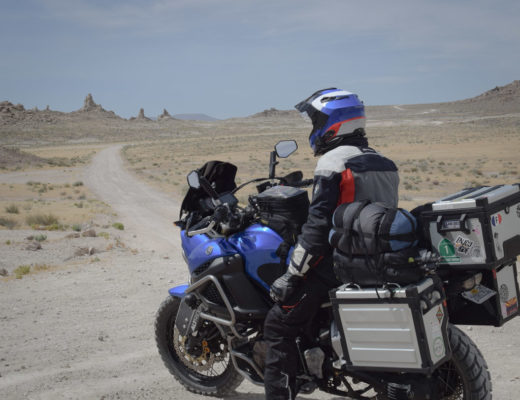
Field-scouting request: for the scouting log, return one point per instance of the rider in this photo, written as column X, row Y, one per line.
column 347, row 171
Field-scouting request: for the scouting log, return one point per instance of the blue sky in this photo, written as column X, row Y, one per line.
column 231, row 58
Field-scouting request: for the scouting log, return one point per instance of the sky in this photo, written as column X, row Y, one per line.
column 233, row 58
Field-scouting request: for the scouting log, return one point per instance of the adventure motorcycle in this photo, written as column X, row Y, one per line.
column 390, row 341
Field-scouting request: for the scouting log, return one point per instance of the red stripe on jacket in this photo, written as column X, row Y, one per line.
column 347, row 188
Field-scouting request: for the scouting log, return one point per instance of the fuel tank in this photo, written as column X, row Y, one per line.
column 201, row 249
column 257, row 245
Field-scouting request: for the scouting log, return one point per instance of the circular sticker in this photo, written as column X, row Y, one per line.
column 438, row 347
column 504, row 293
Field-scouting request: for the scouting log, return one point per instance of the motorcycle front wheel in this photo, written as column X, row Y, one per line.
column 201, row 364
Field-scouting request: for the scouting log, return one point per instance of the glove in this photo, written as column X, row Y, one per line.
column 284, row 287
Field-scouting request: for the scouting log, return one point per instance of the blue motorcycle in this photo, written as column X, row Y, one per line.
column 387, row 342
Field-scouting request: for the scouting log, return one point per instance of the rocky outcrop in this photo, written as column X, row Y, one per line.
column 91, row 108
column 165, row 115
column 90, row 105
column 6, row 107
column 140, row 116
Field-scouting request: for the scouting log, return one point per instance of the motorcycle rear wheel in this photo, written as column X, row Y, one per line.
column 220, row 383
column 466, row 375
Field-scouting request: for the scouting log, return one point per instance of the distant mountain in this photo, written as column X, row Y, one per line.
column 499, row 100
column 509, row 92
column 273, row 112
column 195, row 117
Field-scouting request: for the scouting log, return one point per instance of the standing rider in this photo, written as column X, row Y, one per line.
column 348, row 170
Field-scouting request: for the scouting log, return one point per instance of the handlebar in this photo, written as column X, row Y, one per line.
column 303, row 183
column 227, row 216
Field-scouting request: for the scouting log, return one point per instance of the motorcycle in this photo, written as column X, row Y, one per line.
column 388, row 342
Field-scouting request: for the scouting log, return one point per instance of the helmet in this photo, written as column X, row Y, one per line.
column 335, row 114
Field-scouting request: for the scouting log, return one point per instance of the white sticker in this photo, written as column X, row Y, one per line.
column 479, row 294
column 463, row 245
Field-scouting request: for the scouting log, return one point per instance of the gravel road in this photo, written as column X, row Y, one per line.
column 85, row 331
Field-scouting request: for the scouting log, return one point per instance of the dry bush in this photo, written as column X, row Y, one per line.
column 42, row 220
column 12, row 209
column 9, row 223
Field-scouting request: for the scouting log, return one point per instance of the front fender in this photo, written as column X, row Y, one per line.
column 178, row 291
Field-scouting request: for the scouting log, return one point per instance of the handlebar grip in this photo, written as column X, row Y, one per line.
column 305, row 182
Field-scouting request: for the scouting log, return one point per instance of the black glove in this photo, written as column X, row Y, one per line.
column 284, row 287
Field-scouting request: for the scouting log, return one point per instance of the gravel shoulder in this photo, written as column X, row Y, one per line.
column 84, row 330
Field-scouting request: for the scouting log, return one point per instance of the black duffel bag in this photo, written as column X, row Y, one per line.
column 374, row 244
column 395, row 267
column 365, row 228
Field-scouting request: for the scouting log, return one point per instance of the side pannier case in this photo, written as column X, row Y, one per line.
column 476, row 227
column 400, row 329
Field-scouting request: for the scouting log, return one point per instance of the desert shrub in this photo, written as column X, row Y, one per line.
column 41, row 267
column 56, row 227
column 40, row 237
column 77, row 183
column 104, row 235
column 41, row 219
column 8, row 222
column 21, row 271
column 76, row 227
column 59, row 162
column 118, row 225
column 12, row 209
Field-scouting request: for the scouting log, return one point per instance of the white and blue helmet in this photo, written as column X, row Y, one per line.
column 335, row 115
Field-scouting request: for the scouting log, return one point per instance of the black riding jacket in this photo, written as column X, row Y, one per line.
column 345, row 174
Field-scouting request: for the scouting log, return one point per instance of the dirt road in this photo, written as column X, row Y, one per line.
column 146, row 213
column 85, row 331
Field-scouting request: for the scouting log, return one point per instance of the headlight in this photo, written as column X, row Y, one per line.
column 470, row 283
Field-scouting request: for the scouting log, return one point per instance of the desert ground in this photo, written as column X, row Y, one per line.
column 88, row 249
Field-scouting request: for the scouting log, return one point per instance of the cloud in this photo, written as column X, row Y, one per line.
column 443, row 26
column 142, row 18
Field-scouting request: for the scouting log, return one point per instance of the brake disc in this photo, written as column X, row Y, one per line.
column 200, row 363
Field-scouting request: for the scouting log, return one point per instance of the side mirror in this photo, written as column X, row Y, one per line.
column 285, row 148
column 200, row 182
column 193, row 180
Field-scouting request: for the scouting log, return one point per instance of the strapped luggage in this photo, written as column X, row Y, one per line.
column 364, row 228
column 373, row 244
